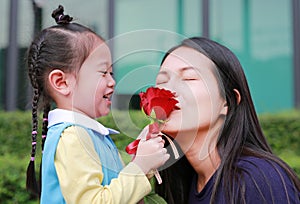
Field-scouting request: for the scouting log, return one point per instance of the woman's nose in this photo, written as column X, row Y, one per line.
column 169, row 86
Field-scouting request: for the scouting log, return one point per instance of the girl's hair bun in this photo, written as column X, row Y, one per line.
column 60, row 18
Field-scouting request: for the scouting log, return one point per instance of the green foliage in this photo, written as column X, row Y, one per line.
column 291, row 158
column 15, row 131
column 282, row 131
column 129, row 123
column 13, row 180
column 154, row 198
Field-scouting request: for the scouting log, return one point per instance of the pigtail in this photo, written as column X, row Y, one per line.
column 33, row 72
column 45, row 123
column 31, row 182
column 44, row 135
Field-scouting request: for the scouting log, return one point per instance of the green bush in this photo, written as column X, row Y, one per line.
column 15, row 131
column 282, row 131
column 12, row 180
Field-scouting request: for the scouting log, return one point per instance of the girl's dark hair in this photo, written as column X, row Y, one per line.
column 64, row 46
column 234, row 141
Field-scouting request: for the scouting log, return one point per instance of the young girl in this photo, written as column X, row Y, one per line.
column 227, row 159
column 70, row 65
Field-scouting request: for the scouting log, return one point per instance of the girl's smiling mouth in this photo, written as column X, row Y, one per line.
column 108, row 96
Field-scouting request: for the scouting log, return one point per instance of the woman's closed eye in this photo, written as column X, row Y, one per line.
column 161, row 81
column 189, row 78
column 162, row 78
column 189, row 75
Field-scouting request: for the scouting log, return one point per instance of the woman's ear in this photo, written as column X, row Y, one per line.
column 238, row 100
column 224, row 109
column 59, row 82
column 238, row 96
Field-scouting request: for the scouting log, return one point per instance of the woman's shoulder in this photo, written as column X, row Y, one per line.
column 266, row 181
column 261, row 169
column 257, row 164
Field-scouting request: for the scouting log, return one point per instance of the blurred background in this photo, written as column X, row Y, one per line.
column 263, row 34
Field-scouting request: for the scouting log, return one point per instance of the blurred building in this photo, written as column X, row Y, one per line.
column 262, row 33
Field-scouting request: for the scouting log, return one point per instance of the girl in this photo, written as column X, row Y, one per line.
column 70, row 65
column 226, row 156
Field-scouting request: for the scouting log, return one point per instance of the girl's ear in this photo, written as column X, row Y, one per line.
column 59, row 82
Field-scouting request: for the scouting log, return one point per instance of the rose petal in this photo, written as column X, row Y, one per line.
column 161, row 101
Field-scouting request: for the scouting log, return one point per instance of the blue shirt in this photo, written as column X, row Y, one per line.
column 265, row 182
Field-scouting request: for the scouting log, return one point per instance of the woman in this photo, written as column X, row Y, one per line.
column 226, row 156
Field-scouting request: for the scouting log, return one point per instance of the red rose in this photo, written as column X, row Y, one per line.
column 161, row 101
column 158, row 101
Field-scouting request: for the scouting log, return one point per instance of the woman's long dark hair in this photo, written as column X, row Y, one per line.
column 241, row 134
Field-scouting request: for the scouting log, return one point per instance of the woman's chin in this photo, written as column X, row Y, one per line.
column 172, row 132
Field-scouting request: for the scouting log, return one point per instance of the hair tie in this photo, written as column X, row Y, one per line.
column 44, row 136
column 34, row 132
column 31, row 158
column 59, row 17
column 45, row 119
column 33, row 143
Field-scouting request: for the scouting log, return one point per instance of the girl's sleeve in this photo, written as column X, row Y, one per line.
column 80, row 174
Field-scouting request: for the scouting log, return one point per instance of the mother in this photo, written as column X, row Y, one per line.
column 226, row 158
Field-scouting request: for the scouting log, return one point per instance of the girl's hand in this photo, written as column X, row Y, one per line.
column 151, row 154
column 143, row 134
column 149, row 131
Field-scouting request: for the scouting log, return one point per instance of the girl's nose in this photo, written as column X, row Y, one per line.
column 111, row 81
